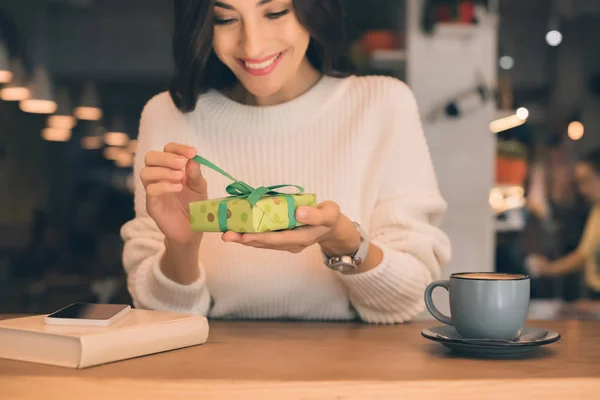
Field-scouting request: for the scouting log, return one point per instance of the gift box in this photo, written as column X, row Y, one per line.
column 248, row 209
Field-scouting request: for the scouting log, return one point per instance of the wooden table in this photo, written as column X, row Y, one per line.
column 296, row 360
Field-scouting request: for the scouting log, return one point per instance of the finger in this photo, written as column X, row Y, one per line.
column 160, row 188
column 260, row 246
column 166, row 160
column 152, row 174
column 194, row 178
column 326, row 214
column 230, row 236
column 231, row 239
column 266, row 238
column 181, row 149
column 301, row 237
column 290, row 249
column 235, row 237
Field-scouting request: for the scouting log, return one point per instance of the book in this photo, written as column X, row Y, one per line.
column 139, row 333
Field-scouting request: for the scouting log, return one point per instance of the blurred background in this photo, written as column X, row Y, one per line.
column 509, row 93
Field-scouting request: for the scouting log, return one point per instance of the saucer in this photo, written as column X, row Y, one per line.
column 530, row 339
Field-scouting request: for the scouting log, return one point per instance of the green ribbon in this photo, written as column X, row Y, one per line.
column 241, row 190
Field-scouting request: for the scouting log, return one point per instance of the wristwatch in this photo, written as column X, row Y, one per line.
column 349, row 263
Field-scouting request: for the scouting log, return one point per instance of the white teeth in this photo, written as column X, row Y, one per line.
column 262, row 65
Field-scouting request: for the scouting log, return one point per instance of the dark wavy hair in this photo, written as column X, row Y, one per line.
column 198, row 68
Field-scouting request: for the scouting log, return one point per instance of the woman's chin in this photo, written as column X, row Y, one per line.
column 262, row 91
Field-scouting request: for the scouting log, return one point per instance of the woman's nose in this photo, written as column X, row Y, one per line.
column 250, row 40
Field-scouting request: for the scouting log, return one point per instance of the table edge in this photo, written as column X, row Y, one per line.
column 28, row 387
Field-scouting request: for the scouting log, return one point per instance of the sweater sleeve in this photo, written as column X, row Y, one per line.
column 143, row 241
column 404, row 224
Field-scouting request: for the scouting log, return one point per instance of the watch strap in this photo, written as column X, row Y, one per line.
column 363, row 248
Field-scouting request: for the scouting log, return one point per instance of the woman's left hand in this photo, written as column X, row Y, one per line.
column 325, row 225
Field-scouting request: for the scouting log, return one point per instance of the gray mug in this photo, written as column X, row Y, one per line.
column 484, row 305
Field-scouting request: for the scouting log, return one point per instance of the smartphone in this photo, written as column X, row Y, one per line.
column 89, row 314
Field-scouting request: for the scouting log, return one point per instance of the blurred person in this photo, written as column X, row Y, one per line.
column 559, row 212
column 263, row 89
column 586, row 255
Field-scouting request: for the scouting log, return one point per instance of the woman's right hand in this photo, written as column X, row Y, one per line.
column 172, row 180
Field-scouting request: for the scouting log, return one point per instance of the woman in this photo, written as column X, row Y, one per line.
column 587, row 254
column 262, row 90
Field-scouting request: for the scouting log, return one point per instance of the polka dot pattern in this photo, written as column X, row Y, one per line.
column 236, row 209
column 199, row 216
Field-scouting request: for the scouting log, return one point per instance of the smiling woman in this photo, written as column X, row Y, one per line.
column 219, row 44
column 262, row 89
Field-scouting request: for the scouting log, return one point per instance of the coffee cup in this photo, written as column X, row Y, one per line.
column 484, row 305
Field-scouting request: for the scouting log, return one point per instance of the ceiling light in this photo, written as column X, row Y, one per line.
column 16, row 90
column 41, row 98
column 89, row 106
column 554, row 38
column 506, row 62
column 6, row 74
column 63, row 118
column 56, row 135
column 575, row 130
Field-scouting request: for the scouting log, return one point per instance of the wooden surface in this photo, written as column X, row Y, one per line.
column 297, row 360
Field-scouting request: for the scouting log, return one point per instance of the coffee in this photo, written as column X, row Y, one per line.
column 484, row 305
column 490, row 276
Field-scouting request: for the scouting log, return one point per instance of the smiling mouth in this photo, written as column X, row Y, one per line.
column 261, row 66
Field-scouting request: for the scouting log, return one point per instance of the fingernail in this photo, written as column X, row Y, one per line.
column 302, row 213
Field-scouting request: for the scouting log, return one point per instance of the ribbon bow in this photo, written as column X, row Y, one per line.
column 239, row 189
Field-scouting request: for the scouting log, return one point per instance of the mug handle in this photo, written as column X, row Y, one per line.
column 429, row 301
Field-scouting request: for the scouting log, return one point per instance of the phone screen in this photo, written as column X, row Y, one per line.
column 88, row 311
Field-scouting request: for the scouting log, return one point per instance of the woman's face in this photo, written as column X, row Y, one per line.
column 262, row 42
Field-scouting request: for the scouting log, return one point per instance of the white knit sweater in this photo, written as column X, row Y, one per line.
column 357, row 141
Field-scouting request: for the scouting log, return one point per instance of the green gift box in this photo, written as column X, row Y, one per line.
column 248, row 209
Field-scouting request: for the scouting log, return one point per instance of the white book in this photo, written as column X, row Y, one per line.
column 139, row 333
